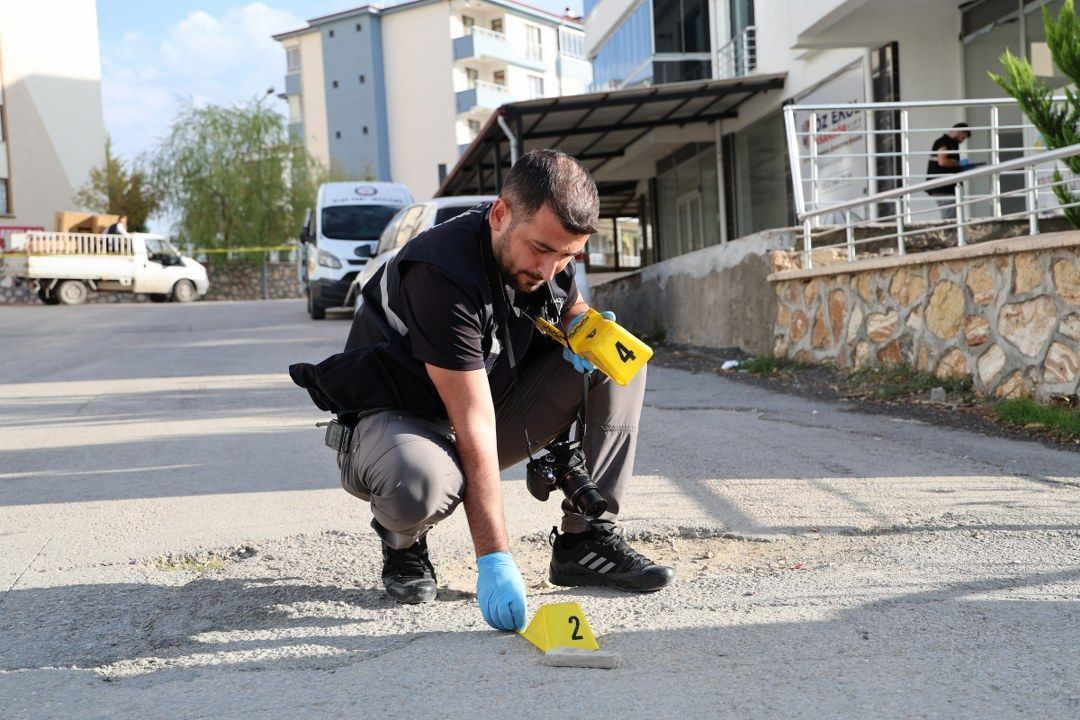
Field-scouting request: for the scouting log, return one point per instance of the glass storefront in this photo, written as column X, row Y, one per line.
column 682, row 26
column 687, row 201
column 756, row 174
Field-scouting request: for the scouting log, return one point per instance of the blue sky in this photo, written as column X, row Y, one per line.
column 215, row 51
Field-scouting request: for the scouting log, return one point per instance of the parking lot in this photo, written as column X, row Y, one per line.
column 174, row 543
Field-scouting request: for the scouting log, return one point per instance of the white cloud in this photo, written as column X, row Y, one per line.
column 211, row 59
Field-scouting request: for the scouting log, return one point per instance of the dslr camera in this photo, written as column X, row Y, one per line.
column 564, row 467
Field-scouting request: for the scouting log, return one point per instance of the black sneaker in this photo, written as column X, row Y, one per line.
column 408, row 574
column 602, row 557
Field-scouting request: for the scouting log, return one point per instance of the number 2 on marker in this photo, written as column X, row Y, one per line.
column 576, row 634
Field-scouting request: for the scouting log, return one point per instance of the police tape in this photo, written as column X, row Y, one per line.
column 200, row 251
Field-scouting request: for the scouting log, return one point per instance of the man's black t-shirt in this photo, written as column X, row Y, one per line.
column 952, row 148
column 445, row 326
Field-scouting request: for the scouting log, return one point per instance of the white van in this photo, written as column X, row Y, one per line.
column 340, row 235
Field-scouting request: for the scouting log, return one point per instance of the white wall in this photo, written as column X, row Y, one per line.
column 51, row 66
column 421, row 111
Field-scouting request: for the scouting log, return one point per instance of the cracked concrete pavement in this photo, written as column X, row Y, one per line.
column 173, row 543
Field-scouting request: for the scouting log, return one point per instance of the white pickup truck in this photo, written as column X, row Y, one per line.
column 66, row 266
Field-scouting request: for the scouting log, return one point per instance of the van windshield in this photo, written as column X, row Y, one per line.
column 356, row 222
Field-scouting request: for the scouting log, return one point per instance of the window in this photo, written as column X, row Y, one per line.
column 627, row 54
column 571, row 43
column 536, row 85
column 296, row 113
column 533, row 47
column 363, row 79
column 365, row 129
column 471, row 76
column 356, row 222
column 499, row 76
column 497, row 25
column 409, row 225
column 334, row 83
column 337, row 134
column 474, row 129
column 330, row 33
column 292, row 60
column 359, row 27
column 467, row 24
column 682, row 26
column 5, row 206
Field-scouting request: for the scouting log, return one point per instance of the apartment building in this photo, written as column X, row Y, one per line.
column 827, row 51
column 394, row 93
column 52, row 131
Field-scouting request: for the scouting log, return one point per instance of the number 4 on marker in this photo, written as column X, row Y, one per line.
column 625, row 353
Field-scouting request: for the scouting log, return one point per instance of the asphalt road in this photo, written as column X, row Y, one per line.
column 173, row 543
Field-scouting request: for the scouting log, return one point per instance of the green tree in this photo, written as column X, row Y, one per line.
column 115, row 189
column 1059, row 123
column 232, row 178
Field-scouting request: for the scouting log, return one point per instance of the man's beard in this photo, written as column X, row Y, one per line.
column 521, row 280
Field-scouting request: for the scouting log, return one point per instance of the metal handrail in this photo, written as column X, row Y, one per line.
column 738, row 56
column 952, row 179
column 961, row 205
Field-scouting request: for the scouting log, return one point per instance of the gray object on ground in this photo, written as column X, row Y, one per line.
column 937, row 394
column 577, row 657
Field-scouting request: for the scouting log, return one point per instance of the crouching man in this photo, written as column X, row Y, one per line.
column 439, row 403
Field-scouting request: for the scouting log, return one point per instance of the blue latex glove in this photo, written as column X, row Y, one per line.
column 500, row 591
column 581, row 364
column 964, row 162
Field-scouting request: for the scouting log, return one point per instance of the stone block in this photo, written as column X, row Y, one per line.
column 1061, row 364
column 952, row 365
column 990, row 364
column 1014, row 387
column 1028, row 325
column 890, row 354
column 865, row 287
column 810, row 293
column 1070, row 327
column 799, row 325
column 945, row 313
column 908, row 286
column 837, row 312
column 854, row 323
column 1028, row 273
column 783, row 317
column 790, row 293
column 923, row 363
column 782, row 260
column 976, row 330
column 1067, row 280
column 881, row 326
column 981, row 281
column 914, row 321
column 863, row 357
column 819, row 337
column 780, row 346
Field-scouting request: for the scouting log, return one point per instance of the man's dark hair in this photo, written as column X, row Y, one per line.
column 963, row 126
column 553, row 177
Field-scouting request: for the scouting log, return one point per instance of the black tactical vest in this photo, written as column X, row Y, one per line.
column 377, row 370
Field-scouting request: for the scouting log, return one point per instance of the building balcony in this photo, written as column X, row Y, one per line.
column 292, row 84
column 487, row 44
column 488, row 96
column 738, row 57
column 574, row 67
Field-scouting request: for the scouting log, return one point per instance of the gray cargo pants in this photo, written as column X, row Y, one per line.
column 407, row 467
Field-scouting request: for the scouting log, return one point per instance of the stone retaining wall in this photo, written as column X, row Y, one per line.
column 235, row 280
column 715, row 297
column 1006, row 312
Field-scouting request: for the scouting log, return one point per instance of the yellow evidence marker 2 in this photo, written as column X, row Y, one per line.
column 560, row 625
column 605, row 343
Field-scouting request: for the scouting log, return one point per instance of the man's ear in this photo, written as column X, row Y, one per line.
column 500, row 215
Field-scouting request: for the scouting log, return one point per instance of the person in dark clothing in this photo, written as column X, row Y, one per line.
column 945, row 159
column 438, row 409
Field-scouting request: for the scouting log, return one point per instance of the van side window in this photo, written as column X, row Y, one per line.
column 409, row 225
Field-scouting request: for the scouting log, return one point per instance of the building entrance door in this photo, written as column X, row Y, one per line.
column 691, row 225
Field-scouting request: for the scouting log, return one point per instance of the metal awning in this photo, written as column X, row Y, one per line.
column 597, row 129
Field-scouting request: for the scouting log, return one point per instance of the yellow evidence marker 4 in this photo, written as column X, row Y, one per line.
column 605, row 343
column 560, row 625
